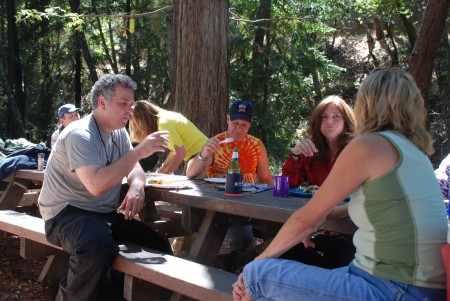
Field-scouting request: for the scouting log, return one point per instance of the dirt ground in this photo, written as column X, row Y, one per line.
column 18, row 276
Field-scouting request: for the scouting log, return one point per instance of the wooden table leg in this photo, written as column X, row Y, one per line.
column 207, row 243
column 55, row 268
column 209, row 238
column 13, row 193
column 57, row 263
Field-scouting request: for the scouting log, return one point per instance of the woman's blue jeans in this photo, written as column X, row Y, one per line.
column 278, row 279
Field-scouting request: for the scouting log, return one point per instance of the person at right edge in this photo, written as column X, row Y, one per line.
column 79, row 200
column 395, row 202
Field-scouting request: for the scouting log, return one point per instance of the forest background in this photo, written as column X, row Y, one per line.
column 195, row 56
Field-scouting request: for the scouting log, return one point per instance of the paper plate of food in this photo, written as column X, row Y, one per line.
column 157, row 176
column 167, row 184
column 167, row 181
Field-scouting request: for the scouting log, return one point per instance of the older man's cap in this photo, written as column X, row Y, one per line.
column 67, row 109
column 241, row 110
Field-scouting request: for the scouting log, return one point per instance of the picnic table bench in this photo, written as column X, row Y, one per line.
column 142, row 267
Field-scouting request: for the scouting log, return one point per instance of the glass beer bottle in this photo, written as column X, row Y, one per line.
column 233, row 185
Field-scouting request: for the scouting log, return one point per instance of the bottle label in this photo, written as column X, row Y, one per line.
column 233, row 184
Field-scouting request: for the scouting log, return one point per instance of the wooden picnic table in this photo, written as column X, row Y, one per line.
column 13, row 187
column 216, row 210
column 210, row 211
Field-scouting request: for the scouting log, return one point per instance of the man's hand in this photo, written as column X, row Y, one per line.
column 133, row 201
column 155, row 142
column 209, row 147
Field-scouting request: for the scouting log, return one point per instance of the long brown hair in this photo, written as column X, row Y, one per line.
column 313, row 132
column 143, row 120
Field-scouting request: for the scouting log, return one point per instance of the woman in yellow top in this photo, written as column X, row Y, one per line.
column 185, row 139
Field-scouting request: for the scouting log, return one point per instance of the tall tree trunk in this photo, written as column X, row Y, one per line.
column 112, row 42
column 370, row 44
column 75, row 8
column 128, row 53
column 78, row 67
column 112, row 62
column 442, row 65
column 14, row 74
column 78, row 36
column 15, row 114
column 260, row 65
column 390, row 32
column 441, row 101
column 409, row 28
column 200, row 77
column 381, row 38
column 47, row 115
column 424, row 51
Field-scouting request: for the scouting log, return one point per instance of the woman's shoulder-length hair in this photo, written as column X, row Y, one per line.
column 389, row 100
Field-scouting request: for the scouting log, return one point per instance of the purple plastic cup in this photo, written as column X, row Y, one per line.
column 281, row 186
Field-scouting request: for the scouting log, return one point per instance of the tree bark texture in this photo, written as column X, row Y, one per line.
column 424, row 51
column 15, row 117
column 47, row 117
column 14, row 75
column 200, row 72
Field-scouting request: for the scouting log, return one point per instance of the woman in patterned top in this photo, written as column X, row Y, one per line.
column 329, row 130
column 215, row 156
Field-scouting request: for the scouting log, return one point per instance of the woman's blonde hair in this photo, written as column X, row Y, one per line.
column 313, row 132
column 143, row 120
column 389, row 100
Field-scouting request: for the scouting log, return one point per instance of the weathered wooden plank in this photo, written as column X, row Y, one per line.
column 176, row 274
column 30, row 174
column 25, row 226
column 172, row 212
column 31, row 249
column 179, row 275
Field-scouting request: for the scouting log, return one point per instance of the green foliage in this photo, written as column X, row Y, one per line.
column 291, row 54
column 32, row 16
column 297, row 63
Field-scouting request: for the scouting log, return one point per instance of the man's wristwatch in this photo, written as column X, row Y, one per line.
column 199, row 155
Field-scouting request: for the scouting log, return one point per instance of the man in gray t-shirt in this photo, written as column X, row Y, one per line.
column 79, row 200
